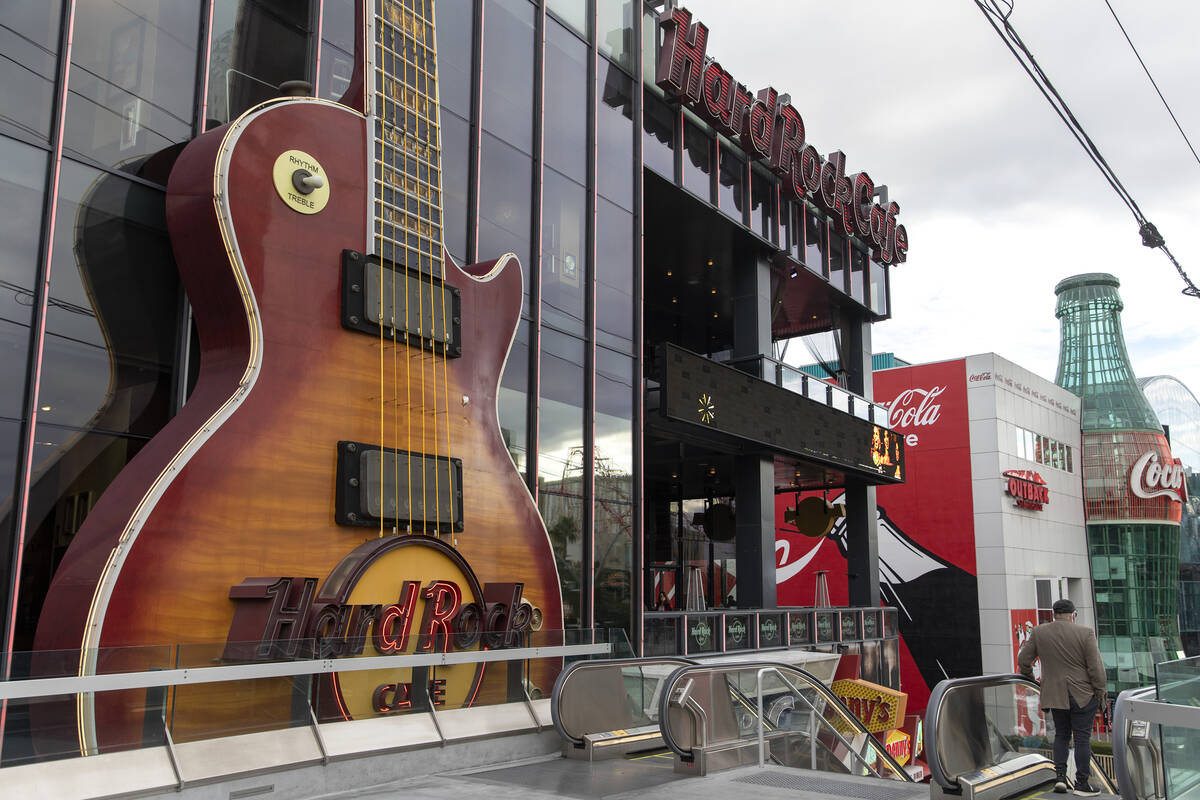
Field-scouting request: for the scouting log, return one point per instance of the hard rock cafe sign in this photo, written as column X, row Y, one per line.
column 394, row 595
column 771, row 129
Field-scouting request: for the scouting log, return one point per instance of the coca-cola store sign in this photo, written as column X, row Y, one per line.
column 915, row 408
column 1151, row 478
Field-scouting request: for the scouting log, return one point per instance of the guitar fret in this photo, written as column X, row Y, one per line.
column 413, row 220
column 406, row 47
column 411, row 207
column 420, row 132
column 407, row 145
column 391, row 177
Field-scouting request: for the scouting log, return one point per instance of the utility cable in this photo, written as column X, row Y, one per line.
column 998, row 19
column 1152, row 81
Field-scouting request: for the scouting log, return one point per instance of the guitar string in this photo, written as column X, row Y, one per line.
column 408, row 40
column 425, row 107
column 401, row 23
column 382, row 293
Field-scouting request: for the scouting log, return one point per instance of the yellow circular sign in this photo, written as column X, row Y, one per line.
column 301, row 181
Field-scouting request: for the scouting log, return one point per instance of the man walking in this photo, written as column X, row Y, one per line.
column 1073, row 689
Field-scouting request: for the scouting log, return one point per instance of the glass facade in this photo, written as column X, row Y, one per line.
column 551, row 128
column 1133, row 534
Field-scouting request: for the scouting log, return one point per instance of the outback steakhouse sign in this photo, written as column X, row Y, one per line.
column 773, row 131
column 1028, row 488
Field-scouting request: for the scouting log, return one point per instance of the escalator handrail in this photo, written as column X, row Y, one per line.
column 811, row 680
column 1120, row 744
column 583, row 666
column 933, row 757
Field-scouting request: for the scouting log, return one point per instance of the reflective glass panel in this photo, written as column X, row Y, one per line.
column 614, row 489
column 29, row 31
column 513, row 401
column 133, row 79
column 505, row 196
column 561, row 462
column 879, row 288
column 456, row 161
column 858, row 273
column 614, row 276
column 837, row 260
column 565, row 121
column 255, row 47
column 21, row 197
column 614, row 134
column 762, row 209
column 508, row 72
column 814, row 242
column 614, row 25
column 658, row 141
column 697, row 160
column 337, row 48
column 564, row 255
column 455, row 29
column 731, row 190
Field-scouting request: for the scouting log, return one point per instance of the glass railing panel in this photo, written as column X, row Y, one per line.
column 1178, row 683
column 802, row 724
column 47, row 728
column 608, row 695
column 815, row 389
column 839, row 398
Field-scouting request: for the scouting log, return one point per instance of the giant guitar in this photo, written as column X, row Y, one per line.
column 337, row 480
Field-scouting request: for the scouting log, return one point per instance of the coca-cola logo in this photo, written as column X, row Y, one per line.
column 980, row 376
column 915, row 407
column 1151, row 478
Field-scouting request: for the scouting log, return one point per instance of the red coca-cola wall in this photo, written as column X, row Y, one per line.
column 926, row 532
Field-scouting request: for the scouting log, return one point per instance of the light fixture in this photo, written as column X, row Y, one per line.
column 714, row 315
column 710, row 262
column 47, row 408
column 714, row 291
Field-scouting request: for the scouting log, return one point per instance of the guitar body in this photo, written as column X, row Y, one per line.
column 241, row 484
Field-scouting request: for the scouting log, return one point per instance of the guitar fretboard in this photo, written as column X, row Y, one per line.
column 407, row 157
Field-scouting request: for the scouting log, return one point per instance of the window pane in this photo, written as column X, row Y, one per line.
column 572, row 12
column 255, row 47
column 614, row 134
column 614, row 20
column 456, row 145
column 508, row 72
column 111, row 327
column 787, row 229
column 21, row 196
column 513, row 401
column 561, row 462
column 28, row 45
column 614, row 276
column 731, row 190
column 455, row 28
column 564, row 259
column 133, row 78
column 658, row 141
column 697, row 160
column 565, row 145
column 505, row 196
column 614, row 489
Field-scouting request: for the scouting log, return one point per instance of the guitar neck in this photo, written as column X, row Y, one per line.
column 403, row 117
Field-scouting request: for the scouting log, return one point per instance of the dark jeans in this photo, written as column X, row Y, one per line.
column 1078, row 721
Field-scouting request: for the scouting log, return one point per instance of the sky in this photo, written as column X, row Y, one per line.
column 999, row 200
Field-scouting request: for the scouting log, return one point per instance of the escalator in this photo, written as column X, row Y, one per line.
column 986, row 738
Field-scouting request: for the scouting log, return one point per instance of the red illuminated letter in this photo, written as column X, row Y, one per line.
column 681, row 63
column 442, row 599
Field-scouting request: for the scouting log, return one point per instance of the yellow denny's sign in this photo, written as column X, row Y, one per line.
column 879, row 708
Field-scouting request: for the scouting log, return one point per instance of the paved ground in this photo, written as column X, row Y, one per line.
column 651, row 778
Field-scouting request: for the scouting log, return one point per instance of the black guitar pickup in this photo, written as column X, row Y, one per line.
column 413, row 492
column 392, row 299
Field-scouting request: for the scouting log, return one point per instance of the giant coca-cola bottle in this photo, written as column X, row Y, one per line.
column 1133, row 490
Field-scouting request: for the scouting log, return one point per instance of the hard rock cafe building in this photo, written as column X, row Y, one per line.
column 671, row 226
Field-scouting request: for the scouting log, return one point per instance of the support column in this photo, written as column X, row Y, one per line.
column 755, row 491
column 755, row 480
column 862, row 521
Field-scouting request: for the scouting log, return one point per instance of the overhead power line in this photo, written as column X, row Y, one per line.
column 1152, row 81
column 998, row 19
